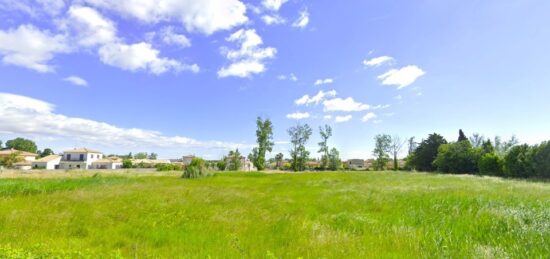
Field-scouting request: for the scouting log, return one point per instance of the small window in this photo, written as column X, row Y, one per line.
column 92, row 156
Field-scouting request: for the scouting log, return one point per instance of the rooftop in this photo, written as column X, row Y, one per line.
column 11, row 151
column 48, row 158
column 82, row 150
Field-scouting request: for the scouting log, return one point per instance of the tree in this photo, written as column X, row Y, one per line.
column 518, row 161
column 325, row 133
column 502, row 147
column 222, row 164
column 490, row 164
column 426, row 152
column 541, row 160
column 234, row 160
column 195, row 169
column 264, row 138
column 279, row 161
column 412, row 145
column 9, row 160
column 153, row 156
column 381, row 149
column 395, row 147
column 477, row 140
column 127, row 163
column 334, row 162
column 299, row 135
column 487, row 147
column 458, row 157
column 462, row 136
column 141, row 155
column 1, row 144
column 22, row 144
column 46, row 152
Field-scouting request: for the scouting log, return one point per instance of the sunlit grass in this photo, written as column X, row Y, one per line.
column 334, row 215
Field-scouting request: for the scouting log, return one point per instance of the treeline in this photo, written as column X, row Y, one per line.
column 478, row 155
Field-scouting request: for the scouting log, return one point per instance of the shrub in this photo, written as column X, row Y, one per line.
column 127, row 163
column 458, row 157
column 541, row 160
column 518, row 161
column 490, row 164
column 169, row 167
column 195, row 169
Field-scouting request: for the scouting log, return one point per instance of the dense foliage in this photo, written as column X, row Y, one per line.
column 299, row 135
column 22, row 144
column 196, row 169
column 424, row 155
column 264, row 138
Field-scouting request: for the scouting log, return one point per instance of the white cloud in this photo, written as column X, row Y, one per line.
column 89, row 26
column 316, row 99
column 345, row 118
column 375, row 62
column 380, row 106
column 290, row 77
column 273, row 5
column 75, row 80
column 140, row 56
column 325, row 81
column 206, row 16
column 402, row 77
column 250, row 58
column 29, row 47
column 369, row 116
column 34, row 8
column 344, row 105
column 26, row 116
column 298, row 115
column 170, row 37
column 303, row 20
column 273, row 19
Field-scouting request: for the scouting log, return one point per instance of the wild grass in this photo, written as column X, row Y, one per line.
column 254, row 215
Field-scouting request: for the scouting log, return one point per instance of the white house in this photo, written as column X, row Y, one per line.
column 79, row 158
column 50, row 162
column 108, row 163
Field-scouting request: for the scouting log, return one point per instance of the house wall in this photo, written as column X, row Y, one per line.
column 74, row 165
column 74, row 160
column 107, row 165
column 50, row 165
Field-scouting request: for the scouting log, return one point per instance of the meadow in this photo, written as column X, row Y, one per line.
column 256, row 215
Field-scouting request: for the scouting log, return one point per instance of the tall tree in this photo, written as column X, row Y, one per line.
column 325, row 133
column 299, row 135
column 487, row 147
column 426, row 152
column 153, row 156
column 46, row 152
column 234, row 160
column 279, row 160
column 334, row 162
column 264, row 138
column 22, row 144
column 502, row 147
column 477, row 140
column 381, row 149
column 462, row 136
column 141, row 155
column 395, row 148
column 412, row 145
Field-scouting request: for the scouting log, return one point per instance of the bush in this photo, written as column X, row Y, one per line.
column 196, row 169
column 518, row 162
column 541, row 160
column 127, row 163
column 491, row 164
column 458, row 157
column 169, row 167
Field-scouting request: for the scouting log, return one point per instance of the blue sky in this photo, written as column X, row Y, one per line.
column 181, row 77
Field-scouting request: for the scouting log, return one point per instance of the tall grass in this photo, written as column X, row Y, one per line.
column 242, row 215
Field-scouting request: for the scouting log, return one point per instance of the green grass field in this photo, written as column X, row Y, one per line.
column 253, row 215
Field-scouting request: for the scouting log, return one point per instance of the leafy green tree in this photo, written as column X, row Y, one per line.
column 325, row 133
column 141, row 155
column 196, row 169
column 264, row 138
column 299, row 135
column 253, row 156
column 22, row 144
column 234, row 160
column 502, row 147
column 127, row 163
column 487, row 147
column 462, row 136
column 222, row 164
column 279, row 161
column 458, row 157
column 334, row 162
column 152, row 156
column 541, row 160
column 46, row 152
column 381, row 149
column 518, row 161
column 477, row 140
column 395, row 147
column 491, row 164
column 426, row 152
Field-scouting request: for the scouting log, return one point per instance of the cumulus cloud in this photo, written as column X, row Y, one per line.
column 250, row 58
column 302, row 21
column 344, row 118
column 140, row 56
column 402, row 77
column 369, row 116
column 316, row 99
column 33, row 8
column 75, row 80
column 205, row 16
column 168, row 36
column 378, row 61
column 90, row 27
column 31, row 48
column 273, row 19
column 325, row 81
column 273, row 5
column 298, row 115
column 344, row 105
column 22, row 115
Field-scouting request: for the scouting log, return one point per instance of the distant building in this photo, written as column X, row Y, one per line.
column 50, row 162
column 108, row 163
column 187, row 159
column 22, row 155
column 246, row 164
column 356, row 164
column 79, row 158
